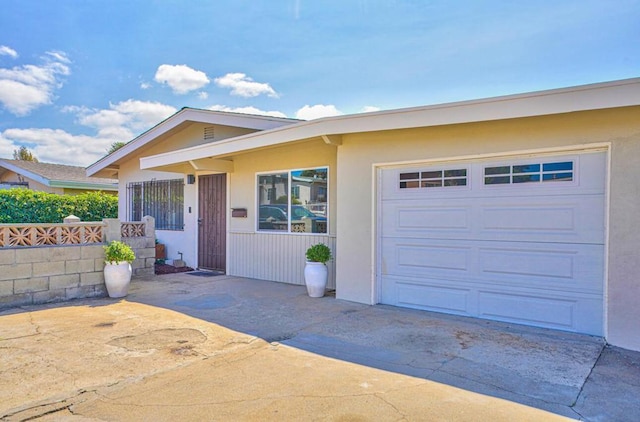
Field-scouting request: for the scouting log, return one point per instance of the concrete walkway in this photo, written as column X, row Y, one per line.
column 182, row 347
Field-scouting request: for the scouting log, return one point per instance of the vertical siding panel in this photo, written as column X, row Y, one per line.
column 275, row 257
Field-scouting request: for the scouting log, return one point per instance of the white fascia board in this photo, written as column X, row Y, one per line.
column 82, row 185
column 248, row 121
column 31, row 175
column 566, row 100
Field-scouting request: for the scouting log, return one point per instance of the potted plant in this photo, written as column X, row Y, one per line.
column 315, row 270
column 117, row 268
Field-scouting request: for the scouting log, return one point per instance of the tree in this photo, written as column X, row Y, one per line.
column 115, row 146
column 24, row 154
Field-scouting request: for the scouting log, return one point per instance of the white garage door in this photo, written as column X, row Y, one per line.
column 519, row 239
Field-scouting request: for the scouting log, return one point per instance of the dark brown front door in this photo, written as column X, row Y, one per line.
column 212, row 222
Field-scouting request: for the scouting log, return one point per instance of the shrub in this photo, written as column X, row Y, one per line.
column 117, row 251
column 319, row 253
column 27, row 206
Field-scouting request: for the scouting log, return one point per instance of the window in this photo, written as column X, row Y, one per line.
column 161, row 199
column 293, row 201
column 433, row 178
column 529, row 173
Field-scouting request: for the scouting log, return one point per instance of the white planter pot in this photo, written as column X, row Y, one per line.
column 117, row 278
column 315, row 277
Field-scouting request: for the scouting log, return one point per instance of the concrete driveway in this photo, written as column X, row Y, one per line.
column 184, row 347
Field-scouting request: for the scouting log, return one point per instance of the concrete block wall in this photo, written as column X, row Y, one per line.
column 143, row 246
column 55, row 273
column 50, row 274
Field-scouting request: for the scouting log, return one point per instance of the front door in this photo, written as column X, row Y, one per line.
column 212, row 222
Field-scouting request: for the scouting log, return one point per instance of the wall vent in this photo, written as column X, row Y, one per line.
column 209, row 133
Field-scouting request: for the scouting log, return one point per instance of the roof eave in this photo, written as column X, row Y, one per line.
column 184, row 115
column 558, row 101
column 82, row 185
column 26, row 173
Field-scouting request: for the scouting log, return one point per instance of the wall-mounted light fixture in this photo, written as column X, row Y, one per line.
column 191, row 179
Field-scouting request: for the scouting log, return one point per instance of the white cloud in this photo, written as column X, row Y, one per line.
column 203, row 95
column 247, row 110
column 25, row 88
column 243, row 86
column 317, row 111
column 369, row 109
column 58, row 56
column 145, row 85
column 122, row 121
column 55, row 145
column 181, row 78
column 8, row 51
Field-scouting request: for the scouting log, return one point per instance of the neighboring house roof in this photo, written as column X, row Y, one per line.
column 614, row 94
column 177, row 122
column 57, row 175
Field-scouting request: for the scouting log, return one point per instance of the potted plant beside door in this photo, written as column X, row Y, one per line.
column 315, row 270
column 118, row 257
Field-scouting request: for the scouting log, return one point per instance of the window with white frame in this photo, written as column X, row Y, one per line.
column 293, row 201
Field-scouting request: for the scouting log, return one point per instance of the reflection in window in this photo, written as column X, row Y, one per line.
column 273, row 199
column 433, row 179
column 529, row 173
column 302, row 208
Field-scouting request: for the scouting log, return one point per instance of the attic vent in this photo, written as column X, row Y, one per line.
column 209, row 133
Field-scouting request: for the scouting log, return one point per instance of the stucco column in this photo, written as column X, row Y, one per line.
column 623, row 289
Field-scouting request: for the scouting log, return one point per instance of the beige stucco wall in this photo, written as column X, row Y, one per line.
column 242, row 181
column 360, row 153
column 623, row 291
column 177, row 242
column 275, row 256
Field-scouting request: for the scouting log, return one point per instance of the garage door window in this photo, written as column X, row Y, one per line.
column 529, row 173
column 433, row 178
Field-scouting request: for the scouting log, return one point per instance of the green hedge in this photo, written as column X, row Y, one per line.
column 27, row 206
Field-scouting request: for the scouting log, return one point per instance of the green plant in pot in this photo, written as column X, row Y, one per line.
column 118, row 257
column 315, row 270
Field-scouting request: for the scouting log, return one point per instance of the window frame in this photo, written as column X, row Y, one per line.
column 289, row 196
column 517, row 173
column 417, row 179
column 136, row 191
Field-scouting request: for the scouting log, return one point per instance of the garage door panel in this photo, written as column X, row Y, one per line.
column 564, row 267
column 433, row 218
column 514, row 239
column 558, row 310
column 441, row 298
column 570, row 219
column 526, row 309
column 581, row 313
column 558, row 219
column 417, row 257
column 574, row 268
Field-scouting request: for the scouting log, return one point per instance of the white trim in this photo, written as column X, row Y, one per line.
column 248, row 121
column 376, row 185
column 607, row 221
column 615, row 94
column 551, row 151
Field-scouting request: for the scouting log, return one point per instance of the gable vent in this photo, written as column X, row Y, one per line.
column 209, row 133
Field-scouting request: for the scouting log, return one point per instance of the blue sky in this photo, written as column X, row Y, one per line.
column 78, row 75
